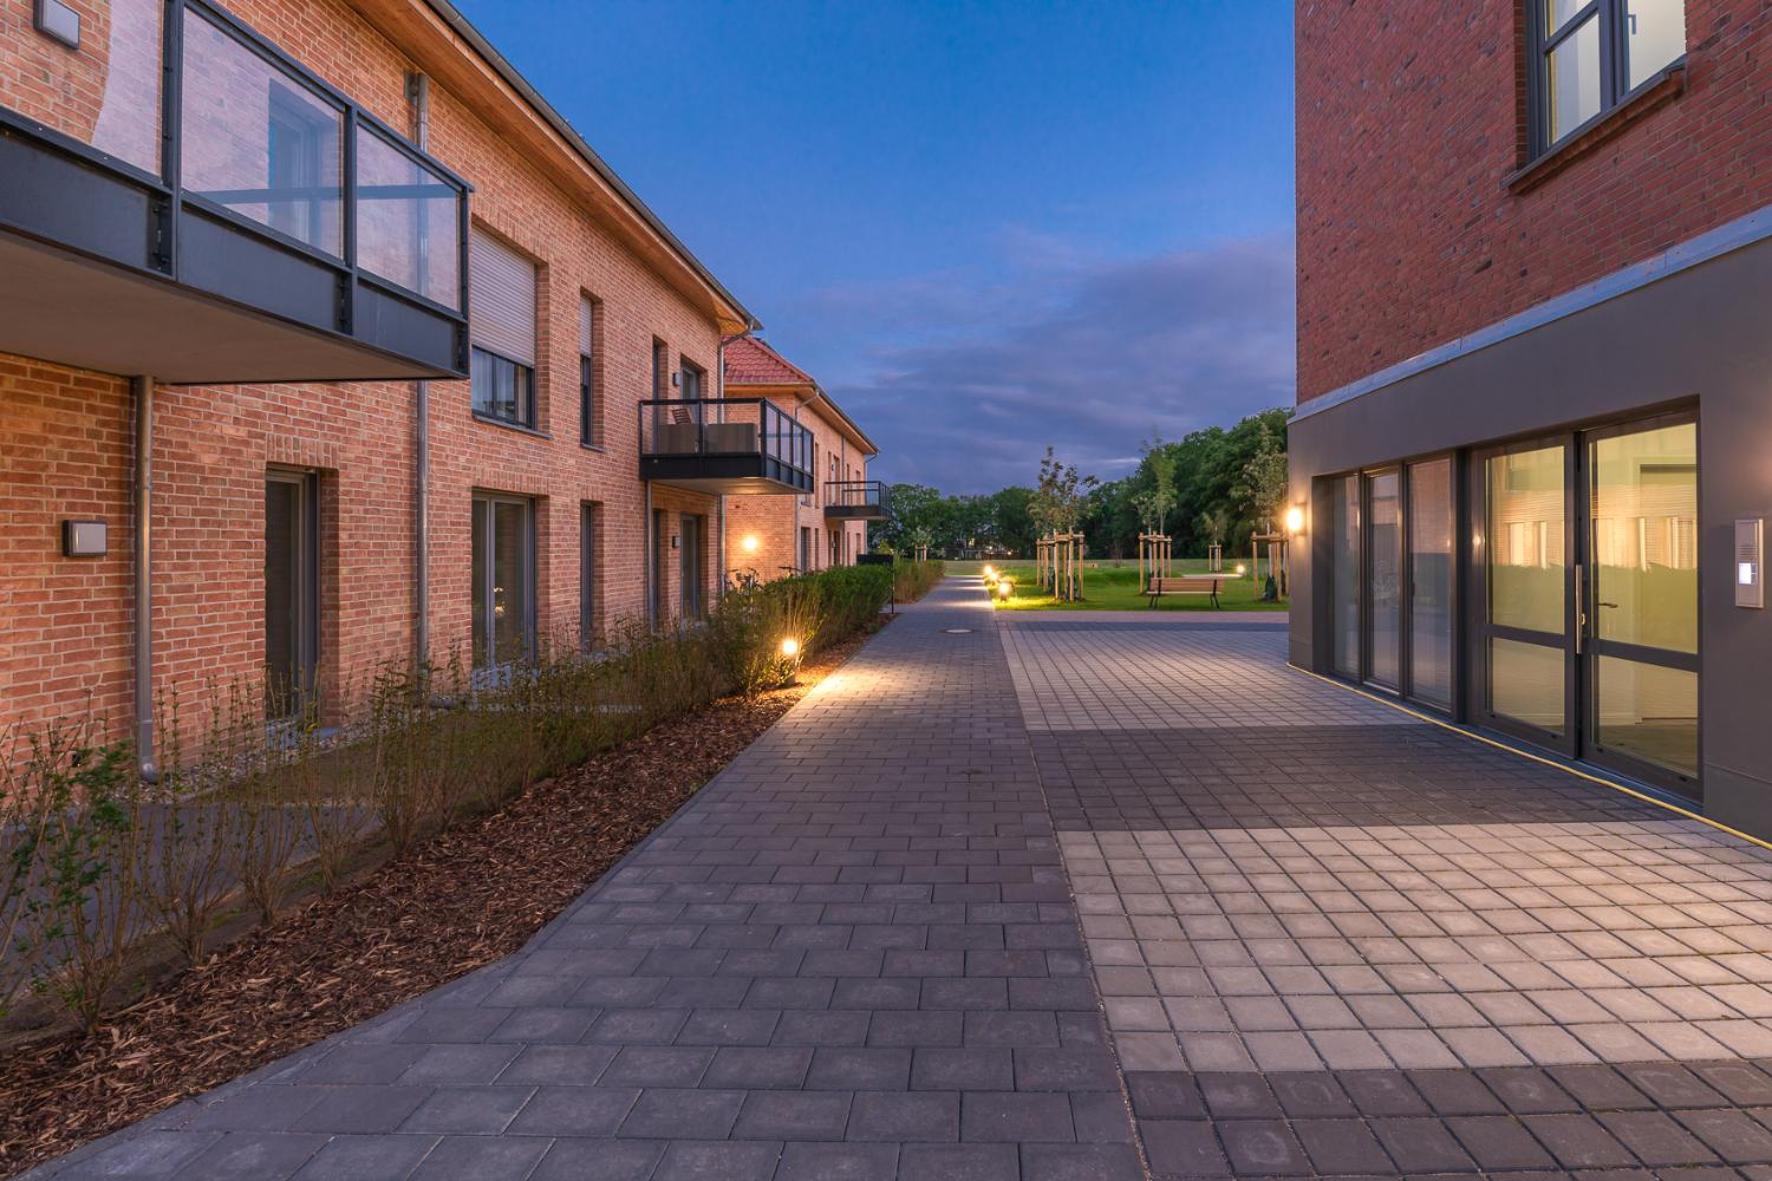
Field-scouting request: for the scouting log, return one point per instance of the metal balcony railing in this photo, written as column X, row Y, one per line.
column 862, row 500
column 704, row 440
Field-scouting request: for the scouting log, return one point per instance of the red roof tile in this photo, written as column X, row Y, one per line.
column 751, row 362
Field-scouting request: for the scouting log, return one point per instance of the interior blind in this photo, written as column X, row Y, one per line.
column 502, row 309
column 584, row 327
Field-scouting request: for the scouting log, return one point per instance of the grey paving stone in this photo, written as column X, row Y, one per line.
column 793, row 1115
column 1240, row 1095
column 729, row 1160
column 1655, row 1139
column 574, row 1111
column 1341, row 1146
column 600, row 1160
column 454, row 1066
column 364, row 1064
column 1499, row 1143
column 665, row 1113
column 483, row 1158
column 363, row 1109
column 468, row 1110
column 946, row 1069
column 367, row 1158
column 1079, row 1162
column 860, row 1068
column 838, row 1162
column 1260, row 1147
column 959, row 1162
column 903, row 1117
column 1420, row 1146
column 260, row 1156
column 1579, row 1141
column 1013, row 1118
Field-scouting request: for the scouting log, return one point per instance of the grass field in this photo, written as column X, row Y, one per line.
column 1111, row 586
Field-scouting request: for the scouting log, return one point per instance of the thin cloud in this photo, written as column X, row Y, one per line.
column 1096, row 361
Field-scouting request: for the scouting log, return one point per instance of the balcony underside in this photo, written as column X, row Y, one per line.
column 58, row 306
column 854, row 512
column 725, row 475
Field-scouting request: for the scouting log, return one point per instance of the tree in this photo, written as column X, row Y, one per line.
column 1262, row 482
column 1012, row 521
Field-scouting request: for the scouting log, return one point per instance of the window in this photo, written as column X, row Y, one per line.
column 690, row 562
column 502, row 324
column 292, row 617
column 587, row 576
column 1588, row 57
column 590, row 406
column 694, row 381
column 503, row 595
column 502, row 389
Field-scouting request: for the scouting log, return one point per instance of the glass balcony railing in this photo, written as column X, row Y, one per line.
column 238, row 173
column 730, row 445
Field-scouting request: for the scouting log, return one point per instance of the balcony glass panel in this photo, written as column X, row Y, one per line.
column 257, row 141
column 408, row 231
column 106, row 93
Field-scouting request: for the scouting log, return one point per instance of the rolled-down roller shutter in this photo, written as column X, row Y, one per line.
column 502, row 309
column 585, row 314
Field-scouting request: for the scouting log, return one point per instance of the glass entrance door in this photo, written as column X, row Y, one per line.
column 1586, row 626
column 1640, row 674
column 1525, row 632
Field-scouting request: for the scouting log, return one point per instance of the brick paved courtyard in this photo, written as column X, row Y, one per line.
column 1064, row 897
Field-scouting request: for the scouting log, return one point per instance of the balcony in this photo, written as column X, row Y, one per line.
column 724, row 447
column 854, row 500
column 188, row 203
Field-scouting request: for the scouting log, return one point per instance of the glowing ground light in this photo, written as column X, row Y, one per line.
column 790, row 647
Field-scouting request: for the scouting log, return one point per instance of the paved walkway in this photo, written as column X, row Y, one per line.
column 1058, row 897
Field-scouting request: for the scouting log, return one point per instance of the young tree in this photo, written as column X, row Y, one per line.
column 1262, row 482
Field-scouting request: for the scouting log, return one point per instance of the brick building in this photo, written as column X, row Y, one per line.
column 1529, row 460
column 325, row 341
column 826, row 526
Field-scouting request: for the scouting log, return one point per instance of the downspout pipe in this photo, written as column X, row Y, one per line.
column 418, row 92
column 146, row 765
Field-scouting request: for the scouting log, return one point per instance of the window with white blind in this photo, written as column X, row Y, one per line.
column 502, row 324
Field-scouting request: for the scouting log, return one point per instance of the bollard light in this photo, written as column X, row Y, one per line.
column 1005, row 588
column 790, row 647
column 1241, row 569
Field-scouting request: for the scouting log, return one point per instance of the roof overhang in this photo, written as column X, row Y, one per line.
column 813, row 398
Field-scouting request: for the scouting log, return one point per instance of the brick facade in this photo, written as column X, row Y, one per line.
column 1411, row 119
column 841, row 453
column 66, row 439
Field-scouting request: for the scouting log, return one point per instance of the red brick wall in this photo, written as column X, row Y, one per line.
column 1410, row 116
column 66, row 442
column 776, row 521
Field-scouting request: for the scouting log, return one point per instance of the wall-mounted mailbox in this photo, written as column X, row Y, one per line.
column 1750, row 562
column 83, row 539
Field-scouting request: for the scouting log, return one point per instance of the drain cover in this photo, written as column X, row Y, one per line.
column 956, row 631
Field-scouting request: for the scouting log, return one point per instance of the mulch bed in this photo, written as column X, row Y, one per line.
column 464, row 899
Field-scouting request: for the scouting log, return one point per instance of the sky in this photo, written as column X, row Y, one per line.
column 985, row 227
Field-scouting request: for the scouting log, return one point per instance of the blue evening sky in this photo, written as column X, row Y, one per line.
column 985, row 227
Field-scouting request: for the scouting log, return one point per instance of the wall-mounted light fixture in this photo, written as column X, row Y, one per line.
column 83, row 539
column 1295, row 519
column 750, row 543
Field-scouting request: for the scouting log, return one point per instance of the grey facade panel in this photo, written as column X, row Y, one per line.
column 1702, row 336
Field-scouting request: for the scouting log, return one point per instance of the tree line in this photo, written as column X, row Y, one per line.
column 1213, row 485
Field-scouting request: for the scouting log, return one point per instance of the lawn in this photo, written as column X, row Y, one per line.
column 1111, row 586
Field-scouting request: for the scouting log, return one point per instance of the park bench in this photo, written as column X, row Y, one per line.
column 1185, row 584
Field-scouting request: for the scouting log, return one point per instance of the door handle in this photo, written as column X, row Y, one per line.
column 1580, row 607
